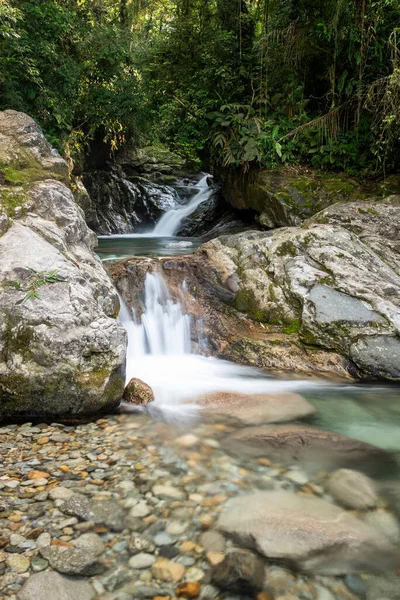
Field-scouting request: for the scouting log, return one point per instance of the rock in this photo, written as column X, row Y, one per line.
column 139, row 544
column 65, row 351
column 60, row 493
column 166, row 570
column 212, row 541
column 79, row 506
column 108, row 513
column 283, row 198
column 91, row 543
column 190, row 589
column 385, row 523
column 140, row 510
column 255, row 409
column 141, row 561
column 309, row 446
column 352, row 489
column 18, row 563
column 187, row 441
column 241, row 572
column 44, row 586
column 38, row 564
column 383, row 588
column 138, row 392
column 69, row 560
column 308, row 533
column 168, row 492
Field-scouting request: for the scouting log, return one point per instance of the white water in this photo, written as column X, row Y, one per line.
column 159, row 353
column 169, row 223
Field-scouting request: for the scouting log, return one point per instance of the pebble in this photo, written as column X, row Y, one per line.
column 166, row 570
column 142, row 561
column 18, row 563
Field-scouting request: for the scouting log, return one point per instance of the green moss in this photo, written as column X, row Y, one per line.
column 245, row 302
column 293, row 327
column 286, row 248
column 10, row 198
column 327, row 280
column 305, row 186
column 17, row 337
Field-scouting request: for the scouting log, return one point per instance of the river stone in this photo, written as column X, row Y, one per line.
column 352, row 489
column 108, row 513
column 51, row 585
column 141, row 561
column 255, row 409
column 309, row 446
column 384, row 522
column 91, row 543
column 63, row 352
column 385, row 587
column 241, row 572
column 138, row 392
column 69, row 560
column 380, row 353
column 309, row 533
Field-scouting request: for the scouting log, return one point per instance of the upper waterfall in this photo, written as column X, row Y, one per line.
column 169, row 223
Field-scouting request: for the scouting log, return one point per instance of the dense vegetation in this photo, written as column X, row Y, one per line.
column 240, row 81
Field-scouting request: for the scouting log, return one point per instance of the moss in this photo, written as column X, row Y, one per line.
column 305, row 186
column 327, row 280
column 17, row 337
column 245, row 302
column 286, row 248
column 10, row 198
column 272, row 297
column 293, row 327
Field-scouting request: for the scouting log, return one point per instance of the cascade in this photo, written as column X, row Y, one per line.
column 169, row 223
column 160, row 353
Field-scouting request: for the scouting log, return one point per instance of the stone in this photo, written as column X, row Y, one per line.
column 352, row 489
column 108, row 513
column 79, row 506
column 140, row 510
column 187, row 441
column 190, row 589
column 69, row 560
column 241, row 572
column 168, row 492
column 138, row 392
column 91, row 543
column 166, row 570
column 38, row 564
column 212, row 541
column 385, row 523
column 142, row 561
column 311, row 447
column 138, row 544
column 18, row 563
column 43, row 586
column 255, row 409
column 60, row 493
column 273, row 523
column 385, row 587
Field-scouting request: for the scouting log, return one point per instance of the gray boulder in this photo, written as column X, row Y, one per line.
column 323, row 283
column 69, row 560
column 62, row 349
column 44, row 586
column 307, row 533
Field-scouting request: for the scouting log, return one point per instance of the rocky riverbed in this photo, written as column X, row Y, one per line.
column 127, row 507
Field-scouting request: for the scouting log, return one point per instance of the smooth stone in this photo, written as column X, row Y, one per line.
column 38, row 564
column 140, row 510
column 166, row 570
column 306, row 532
column 163, row 539
column 212, row 541
column 240, row 572
column 69, row 560
column 384, row 522
column 256, row 409
column 49, row 585
column 168, row 492
column 352, row 489
column 386, row 587
column 138, row 543
column 18, row 563
column 142, row 561
column 91, row 543
column 60, row 493
column 356, row 585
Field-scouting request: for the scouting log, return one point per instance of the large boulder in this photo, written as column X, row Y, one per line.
column 255, row 409
column 62, row 351
column 307, row 533
column 284, row 196
column 323, row 283
column 313, row 448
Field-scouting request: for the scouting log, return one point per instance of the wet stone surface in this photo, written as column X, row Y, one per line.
column 127, row 508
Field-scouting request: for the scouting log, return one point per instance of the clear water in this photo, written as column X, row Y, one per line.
column 113, row 248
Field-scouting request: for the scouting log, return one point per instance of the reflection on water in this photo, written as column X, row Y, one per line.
column 113, row 248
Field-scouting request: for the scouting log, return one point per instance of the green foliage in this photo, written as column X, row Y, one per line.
column 36, row 280
column 239, row 83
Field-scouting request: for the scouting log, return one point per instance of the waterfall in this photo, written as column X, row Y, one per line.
column 160, row 353
column 169, row 223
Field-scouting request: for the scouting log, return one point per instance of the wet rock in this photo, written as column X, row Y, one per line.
column 69, row 560
column 166, row 570
column 255, row 409
column 17, row 563
column 138, row 392
column 385, row 523
column 91, row 543
column 241, row 572
column 191, row 589
column 142, row 561
column 308, row 446
column 108, row 513
column 335, row 542
column 139, row 543
column 79, row 506
column 44, row 586
column 352, row 489
column 383, row 588
column 168, row 492
column 212, row 541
